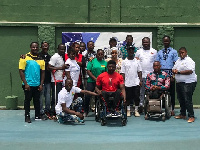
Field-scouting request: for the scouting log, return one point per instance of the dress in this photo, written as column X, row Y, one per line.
column 74, row 70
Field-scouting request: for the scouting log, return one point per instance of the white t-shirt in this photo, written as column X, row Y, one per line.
column 147, row 58
column 66, row 97
column 74, row 69
column 131, row 68
column 185, row 64
column 57, row 61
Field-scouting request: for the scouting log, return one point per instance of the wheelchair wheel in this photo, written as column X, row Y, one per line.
column 167, row 106
column 97, row 111
column 145, row 105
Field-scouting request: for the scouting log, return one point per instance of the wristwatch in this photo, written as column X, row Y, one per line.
column 178, row 72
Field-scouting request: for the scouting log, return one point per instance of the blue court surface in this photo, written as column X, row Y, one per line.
column 138, row 134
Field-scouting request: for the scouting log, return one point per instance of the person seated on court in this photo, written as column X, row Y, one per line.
column 111, row 84
column 157, row 81
column 68, row 109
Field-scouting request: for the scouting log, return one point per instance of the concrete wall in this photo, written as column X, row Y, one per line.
column 22, row 22
column 104, row 11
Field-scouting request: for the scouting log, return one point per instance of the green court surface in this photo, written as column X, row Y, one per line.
column 138, row 134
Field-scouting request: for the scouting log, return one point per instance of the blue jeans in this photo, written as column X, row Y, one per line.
column 184, row 95
column 47, row 95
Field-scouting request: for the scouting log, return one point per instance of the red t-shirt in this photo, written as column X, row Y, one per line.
column 108, row 82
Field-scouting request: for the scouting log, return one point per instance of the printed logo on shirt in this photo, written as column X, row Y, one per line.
column 73, row 93
column 152, row 53
column 103, row 66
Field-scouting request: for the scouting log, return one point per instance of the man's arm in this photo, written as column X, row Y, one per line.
column 42, row 76
column 69, row 111
column 67, row 73
column 140, row 77
column 50, row 67
column 88, row 92
column 123, row 75
column 98, row 89
column 22, row 76
column 122, row 88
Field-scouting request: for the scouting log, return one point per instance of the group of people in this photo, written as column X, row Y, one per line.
column 124, row 72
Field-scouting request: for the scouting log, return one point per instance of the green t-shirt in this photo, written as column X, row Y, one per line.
column 96, row 67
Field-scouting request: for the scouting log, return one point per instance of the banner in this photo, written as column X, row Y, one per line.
column 101, row 39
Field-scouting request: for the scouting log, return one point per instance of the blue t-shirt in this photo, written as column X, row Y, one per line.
column 32, row 66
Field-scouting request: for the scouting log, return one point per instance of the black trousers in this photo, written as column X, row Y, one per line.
column 58, row 89
column 172, row 93
column 116, row 95
column 34, row 94
column 184, row 95
column 133, row 93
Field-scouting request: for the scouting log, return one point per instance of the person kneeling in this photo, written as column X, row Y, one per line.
column 68, row 109
column 111, row 84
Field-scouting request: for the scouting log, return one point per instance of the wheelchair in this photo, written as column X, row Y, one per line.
column 159, row 107
column 102, row 112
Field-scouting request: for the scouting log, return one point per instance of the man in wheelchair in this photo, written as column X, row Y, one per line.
column 156, row 84
column 110, row 86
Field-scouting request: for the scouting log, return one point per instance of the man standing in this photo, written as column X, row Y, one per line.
column 186, row 80
column 32, row 72
column 57, row 66
column 47, row 81
column 146, row 56
column 167, row 57
column 132, row 72
column 129, row 42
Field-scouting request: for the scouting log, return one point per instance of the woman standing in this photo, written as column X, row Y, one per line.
column 94, row 68
column 114, row 56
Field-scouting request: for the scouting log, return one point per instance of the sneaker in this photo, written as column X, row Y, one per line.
column 27, row 119
column 128, row 113
column 191, row 119
column 38, row 118
column 180, row 117
column 59, row 119
column 78, row 120
column 137, row 113
column 44, row 117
